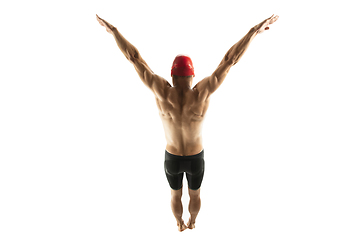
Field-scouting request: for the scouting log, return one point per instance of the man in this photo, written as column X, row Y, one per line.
column 182, row 111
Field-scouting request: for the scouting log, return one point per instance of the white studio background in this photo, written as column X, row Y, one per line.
column 82, row 145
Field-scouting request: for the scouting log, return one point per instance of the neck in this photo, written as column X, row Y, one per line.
column 183, row 83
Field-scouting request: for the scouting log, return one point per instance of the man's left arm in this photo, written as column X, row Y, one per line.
column 131, row 53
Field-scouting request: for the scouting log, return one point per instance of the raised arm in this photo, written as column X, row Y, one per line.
column 211, row 83
column 151, row 80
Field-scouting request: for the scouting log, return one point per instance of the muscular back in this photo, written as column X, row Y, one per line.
column 182, row 109
column 182, row 113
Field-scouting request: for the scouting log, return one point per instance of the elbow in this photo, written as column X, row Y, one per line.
column 227, row 60
column 132, row 55
column 136, row 54
column 235, row 59
column 231, row 61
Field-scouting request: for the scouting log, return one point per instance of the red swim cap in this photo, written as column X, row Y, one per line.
column 182, row 66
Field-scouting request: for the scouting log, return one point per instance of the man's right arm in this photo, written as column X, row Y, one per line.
column 213, row 82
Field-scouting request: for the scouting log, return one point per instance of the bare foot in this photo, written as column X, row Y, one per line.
column 181, row 226
column 191, row 225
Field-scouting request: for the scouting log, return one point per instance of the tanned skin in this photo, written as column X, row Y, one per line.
column 182, row 108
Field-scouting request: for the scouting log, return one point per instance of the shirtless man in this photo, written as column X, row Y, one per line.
column 182, row 110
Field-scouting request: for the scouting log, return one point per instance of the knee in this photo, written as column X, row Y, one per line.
column 175, row 198
column 176, row 195
column 195, row 197
column 194, row 194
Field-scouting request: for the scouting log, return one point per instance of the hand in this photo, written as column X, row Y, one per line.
column 108, row 26
column 260, row 28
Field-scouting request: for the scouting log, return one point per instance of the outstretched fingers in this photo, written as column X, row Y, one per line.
column 98, row 18
column 269, row 21
column 273, row 19
column 105, row 24
column 101, row 21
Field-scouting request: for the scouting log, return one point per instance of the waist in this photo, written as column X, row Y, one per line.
column 170, row 156
column 184, row 149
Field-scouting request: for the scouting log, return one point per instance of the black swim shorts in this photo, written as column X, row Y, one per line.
column 175, row 167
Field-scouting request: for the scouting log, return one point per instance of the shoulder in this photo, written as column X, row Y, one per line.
column 160, row 86
column 160, row 82
column 202, row 88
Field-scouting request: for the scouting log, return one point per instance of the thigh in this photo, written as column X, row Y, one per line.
column 173, row 176
column 196, row 175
